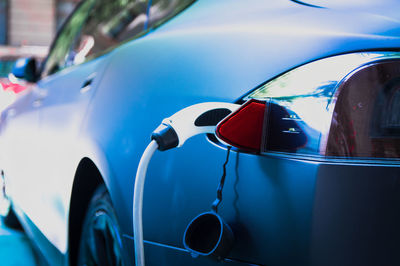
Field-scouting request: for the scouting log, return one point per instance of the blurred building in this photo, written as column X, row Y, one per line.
column 32, row 22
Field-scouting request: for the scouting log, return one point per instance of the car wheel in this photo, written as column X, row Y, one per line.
column 100, row 242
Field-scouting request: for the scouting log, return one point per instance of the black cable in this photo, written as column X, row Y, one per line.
column 218, row 200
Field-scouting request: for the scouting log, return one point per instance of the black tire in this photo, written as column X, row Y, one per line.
column 100, row 242
column 11, row 220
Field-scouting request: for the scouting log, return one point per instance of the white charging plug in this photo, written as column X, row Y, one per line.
column 193, row 120
column 173, row 132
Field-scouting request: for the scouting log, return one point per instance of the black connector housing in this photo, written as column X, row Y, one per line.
column 166, row 137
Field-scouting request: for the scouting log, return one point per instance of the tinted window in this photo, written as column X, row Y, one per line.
column 96, row 27
column 108, row 24
column 366, row 121
column 387, row 111
column 162, row 10
column 58, row 55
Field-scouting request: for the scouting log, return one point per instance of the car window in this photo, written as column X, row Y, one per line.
column 162, row 10
column 96, row 27
column 366, row 121
column 58, row 55
column 108, row 24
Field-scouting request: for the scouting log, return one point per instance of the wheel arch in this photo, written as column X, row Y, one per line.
column 87, row 179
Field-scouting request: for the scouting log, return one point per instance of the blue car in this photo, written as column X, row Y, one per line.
column 303, row 171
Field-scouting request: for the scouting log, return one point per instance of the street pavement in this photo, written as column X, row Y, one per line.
column 15, row 248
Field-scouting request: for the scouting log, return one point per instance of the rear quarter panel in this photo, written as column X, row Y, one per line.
column 218, row 51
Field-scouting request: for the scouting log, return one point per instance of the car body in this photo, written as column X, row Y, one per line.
column 89, row 115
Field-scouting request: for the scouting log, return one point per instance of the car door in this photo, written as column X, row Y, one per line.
column 19, row 131
column 69, row 83
column 27, row 139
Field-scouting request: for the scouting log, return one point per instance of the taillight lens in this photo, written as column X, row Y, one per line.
column 343, row 106
column 244, row 128
column 261, row 126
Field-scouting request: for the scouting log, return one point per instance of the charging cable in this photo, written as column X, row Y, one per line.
column 173, row 132
column 138, row 201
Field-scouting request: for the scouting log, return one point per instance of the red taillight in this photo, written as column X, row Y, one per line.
column 261, row 126
column 244, row 128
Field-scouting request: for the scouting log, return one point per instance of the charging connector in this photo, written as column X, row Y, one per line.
column 190, row 121
column 173, row 132
column 166, row 137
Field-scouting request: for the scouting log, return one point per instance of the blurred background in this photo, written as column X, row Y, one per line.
column 32, row 22
column 28, row 26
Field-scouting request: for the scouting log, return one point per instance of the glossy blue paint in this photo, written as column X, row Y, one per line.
column 268, row 206
column 207, row 54
column 212, row 51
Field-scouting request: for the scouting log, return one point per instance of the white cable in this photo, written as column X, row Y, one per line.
column 183, row 123
column 138, row 202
